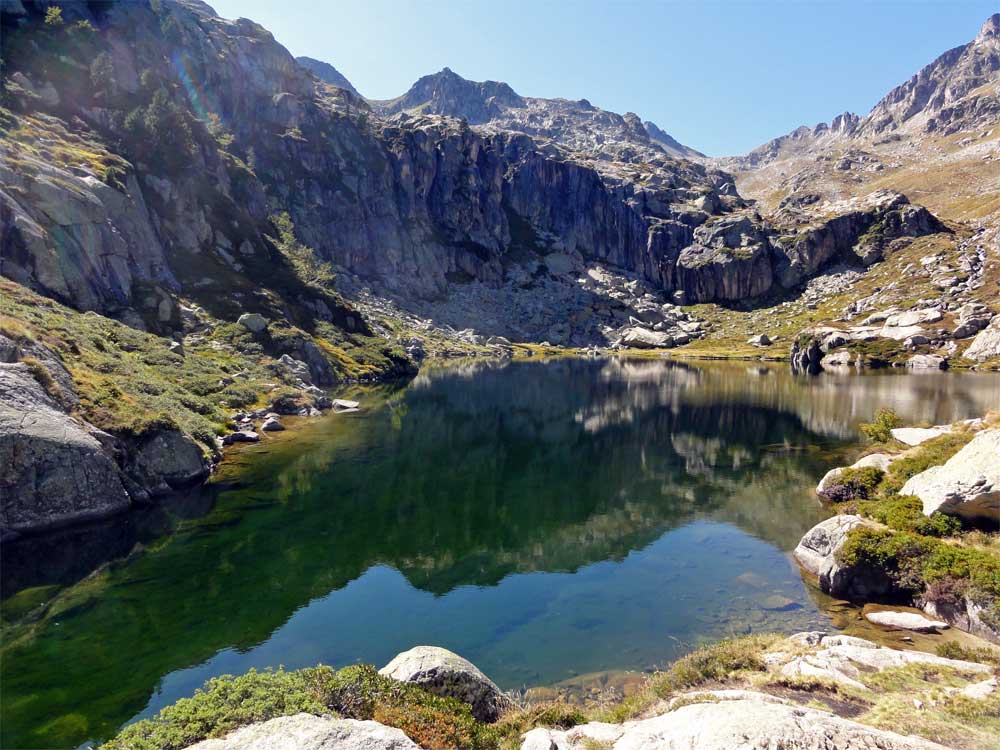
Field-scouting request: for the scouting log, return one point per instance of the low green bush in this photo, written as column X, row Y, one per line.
column 906, row 513
column 357, row 692
column 916, row 562
column 855, row 484
column 879, row 430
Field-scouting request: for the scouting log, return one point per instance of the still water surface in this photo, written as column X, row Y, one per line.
column 542, row 519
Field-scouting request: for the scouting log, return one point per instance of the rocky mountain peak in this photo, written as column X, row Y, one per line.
column 447, row 93
column 327, row 73
column 946, row 95
column 990, row 29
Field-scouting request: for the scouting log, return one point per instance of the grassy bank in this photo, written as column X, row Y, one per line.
column 130, row 381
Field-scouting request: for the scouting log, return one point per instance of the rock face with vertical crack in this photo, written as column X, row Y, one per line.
column 52, row 470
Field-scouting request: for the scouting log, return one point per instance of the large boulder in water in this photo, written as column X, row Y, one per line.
column 308, row 732
column 53, row 471
column 442, row 672
column 818, row 552
column 966, row 485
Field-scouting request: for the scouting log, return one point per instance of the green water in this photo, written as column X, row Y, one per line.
column 544, row 520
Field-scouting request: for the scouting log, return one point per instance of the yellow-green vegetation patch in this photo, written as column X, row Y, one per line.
column 358, row 692
column 130, row 381
column 48, row 139
column 727, row 660
column 925, row 700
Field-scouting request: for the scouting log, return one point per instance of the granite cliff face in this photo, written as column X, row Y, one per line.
column 399, row 194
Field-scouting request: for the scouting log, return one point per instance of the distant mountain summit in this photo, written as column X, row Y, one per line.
column 326, row 72
column 958, row 90
column 577, row 124
column 447, row 93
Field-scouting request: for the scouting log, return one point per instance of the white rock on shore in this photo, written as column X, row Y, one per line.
column 967, row 485
column 906, row 621
column 308, row 732
column 917, row 435
column 755, row 721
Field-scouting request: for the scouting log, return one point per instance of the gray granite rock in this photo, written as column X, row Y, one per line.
column 445, row 673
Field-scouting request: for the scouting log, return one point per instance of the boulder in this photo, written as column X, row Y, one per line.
column 166, row 460
column 308, row 732
column 966, row 485
column 241, row 436
column 343, row 404
column 914, row 318
column 986, row 345
column 442, row 672
column 53, row 471
column 906, row 621
column 253, row 322
column 713, row 722
column 272, row 424
column 877, row 460
column 927, row 362
column 840, row 358
column 980, row 690
column 643, row 338
column 817, row 553
column 918, row 435
column 761, row 339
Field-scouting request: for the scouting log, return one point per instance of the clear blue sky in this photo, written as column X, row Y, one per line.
column 722, row 77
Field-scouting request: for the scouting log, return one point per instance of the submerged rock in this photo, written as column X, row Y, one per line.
column 442, row 672
column 906, row 621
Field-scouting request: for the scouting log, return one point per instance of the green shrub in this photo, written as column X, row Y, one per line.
column 358, row 692
column 224, row 704
column 955, row 650
column 855, row 484
column 308, row 267
column 916, row 562
column 906, row 513
column 879, row 430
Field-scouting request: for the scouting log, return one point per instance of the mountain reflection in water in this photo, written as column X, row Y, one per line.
column 541, row 519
